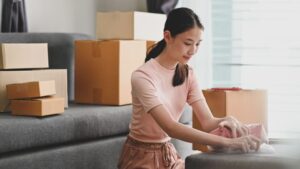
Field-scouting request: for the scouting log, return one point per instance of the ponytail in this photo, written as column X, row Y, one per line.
column 155, row 50
column 181, row 73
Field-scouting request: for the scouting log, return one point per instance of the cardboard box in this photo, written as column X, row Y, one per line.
column 10, row 77
column 130, row 25
column 30, row 89
column 248, row 106
column 23, row 55
column 103, row 70
column 38, row 107
column 150, row 45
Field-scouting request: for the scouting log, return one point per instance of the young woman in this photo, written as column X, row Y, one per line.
column 160, row 89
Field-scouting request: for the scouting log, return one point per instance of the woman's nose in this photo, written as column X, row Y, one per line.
column 192, row 50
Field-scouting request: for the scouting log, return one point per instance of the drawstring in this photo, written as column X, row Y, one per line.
column 167, row 154
column 156, row 160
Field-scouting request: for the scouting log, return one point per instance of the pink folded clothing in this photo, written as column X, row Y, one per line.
column 256, row 130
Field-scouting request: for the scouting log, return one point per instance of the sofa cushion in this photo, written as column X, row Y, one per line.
column 78, row 122
column 95, row 154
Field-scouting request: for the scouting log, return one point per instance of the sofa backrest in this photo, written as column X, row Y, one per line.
column 60, row 48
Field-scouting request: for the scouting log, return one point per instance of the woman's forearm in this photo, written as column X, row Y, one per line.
column 188, row 134
column 177, row 130
column 212, row 124
column 204, row 116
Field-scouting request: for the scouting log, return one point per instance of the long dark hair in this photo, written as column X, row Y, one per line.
column 178, row 21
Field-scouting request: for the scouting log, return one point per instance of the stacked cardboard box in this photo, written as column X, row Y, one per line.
column 34, row 98
column 248, row 106
column 103, row 67
column 12, row 56
column 26, row 62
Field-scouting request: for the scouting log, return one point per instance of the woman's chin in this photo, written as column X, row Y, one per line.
column 185, row 61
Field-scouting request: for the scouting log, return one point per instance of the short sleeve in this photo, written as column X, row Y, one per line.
column 194, row 91
column 144, row 90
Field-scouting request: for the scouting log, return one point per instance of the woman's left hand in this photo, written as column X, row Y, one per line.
column 237, row 128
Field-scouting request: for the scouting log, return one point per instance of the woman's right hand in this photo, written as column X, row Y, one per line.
column 245, row 143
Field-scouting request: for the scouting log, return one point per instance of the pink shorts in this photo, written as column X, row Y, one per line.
column 140, row 155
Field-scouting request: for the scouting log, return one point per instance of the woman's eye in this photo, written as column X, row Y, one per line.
column 188, row 44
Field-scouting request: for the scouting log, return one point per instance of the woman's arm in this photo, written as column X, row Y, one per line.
column 180, row 131
column 177, row 130
column 204, row 116
column 209, row 122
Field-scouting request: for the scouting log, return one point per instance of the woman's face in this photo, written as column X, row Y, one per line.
column 184, row 45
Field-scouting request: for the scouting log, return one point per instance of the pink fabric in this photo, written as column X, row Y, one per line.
column 256, row 130
column 151, row 87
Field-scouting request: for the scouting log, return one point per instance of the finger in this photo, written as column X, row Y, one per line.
column 257, row 141
column 245, row 147
column 233, row 131
column 240, row 131
column 252, row 144
column 245, row 129
column 221, row 124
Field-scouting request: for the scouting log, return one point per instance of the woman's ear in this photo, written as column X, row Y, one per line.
column 167, row 36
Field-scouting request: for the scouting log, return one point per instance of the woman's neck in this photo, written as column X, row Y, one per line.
column 166, row 61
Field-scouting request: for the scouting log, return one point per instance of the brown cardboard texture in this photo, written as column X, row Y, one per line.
column 11, row 77
column 131, row 25
column 38, row 107
column 150, row 45
column 103, row 70
column 248, row 106
column 30, row 89
column 23, row 55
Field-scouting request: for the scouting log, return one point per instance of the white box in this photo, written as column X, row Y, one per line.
column 130, row 25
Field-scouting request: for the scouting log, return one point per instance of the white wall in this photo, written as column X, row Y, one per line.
column 202, row 61
column 73, row 15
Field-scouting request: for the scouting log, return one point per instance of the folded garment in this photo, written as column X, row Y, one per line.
column 256, row 130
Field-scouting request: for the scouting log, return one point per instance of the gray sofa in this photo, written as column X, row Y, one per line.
column 83, row 137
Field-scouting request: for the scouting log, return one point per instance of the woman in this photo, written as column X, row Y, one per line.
column 160, row 89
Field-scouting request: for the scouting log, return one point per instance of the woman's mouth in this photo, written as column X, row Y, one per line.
column 186, row 57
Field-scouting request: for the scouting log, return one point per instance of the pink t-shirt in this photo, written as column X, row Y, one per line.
column 151, row 87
